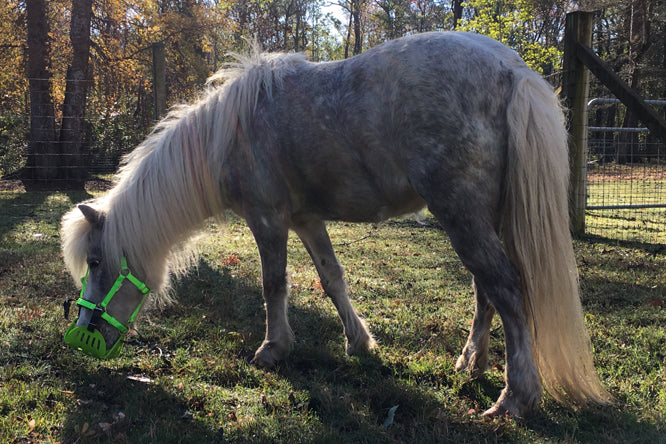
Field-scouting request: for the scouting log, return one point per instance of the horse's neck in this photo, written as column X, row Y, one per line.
column 165, row 196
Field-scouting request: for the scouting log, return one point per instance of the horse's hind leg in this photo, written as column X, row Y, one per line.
column 272, row 243
column 476, row 242
column 474, row 357
column 315, row 238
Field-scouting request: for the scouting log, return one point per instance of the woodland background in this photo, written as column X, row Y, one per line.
column 76, row 75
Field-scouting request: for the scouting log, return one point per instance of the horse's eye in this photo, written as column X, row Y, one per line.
column 93, row 263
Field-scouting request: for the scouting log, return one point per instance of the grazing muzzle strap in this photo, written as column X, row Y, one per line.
column 100, row 309
column 87, row 338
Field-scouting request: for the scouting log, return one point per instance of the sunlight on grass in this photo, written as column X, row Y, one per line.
column 618, row 185
column 185, row 376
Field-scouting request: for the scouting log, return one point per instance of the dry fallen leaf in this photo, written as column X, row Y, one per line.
column 232, row 259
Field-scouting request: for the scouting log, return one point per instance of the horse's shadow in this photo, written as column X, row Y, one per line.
column 117, row 408
column 350, row 394
column 650, row 248
column 343, row 389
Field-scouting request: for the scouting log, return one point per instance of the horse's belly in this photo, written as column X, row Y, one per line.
column 361, row 205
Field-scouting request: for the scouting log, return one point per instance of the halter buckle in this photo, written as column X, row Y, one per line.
column 96, row 316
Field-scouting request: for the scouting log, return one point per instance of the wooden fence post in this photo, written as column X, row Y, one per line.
column 575, row 88
column 159, row 81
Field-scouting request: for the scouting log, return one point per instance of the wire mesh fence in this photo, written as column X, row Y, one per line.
column 626, row 183
column 52, row 146
column 626, row 170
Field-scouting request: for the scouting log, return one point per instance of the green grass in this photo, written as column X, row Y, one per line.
column 614, row 184
column 184, row 374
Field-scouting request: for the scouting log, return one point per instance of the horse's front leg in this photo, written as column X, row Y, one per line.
column 315, row 238
column 272, row 243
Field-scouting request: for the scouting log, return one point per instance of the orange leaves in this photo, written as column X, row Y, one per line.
column 26, row 314
column 231, row 260
column 317, row 287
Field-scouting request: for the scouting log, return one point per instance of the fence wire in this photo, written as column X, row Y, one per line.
column 626, row 185
column 626, row 171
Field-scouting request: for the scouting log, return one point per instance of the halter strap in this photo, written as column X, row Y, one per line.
column 100, row 309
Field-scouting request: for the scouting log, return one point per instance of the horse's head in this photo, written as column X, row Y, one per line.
column 111, row 295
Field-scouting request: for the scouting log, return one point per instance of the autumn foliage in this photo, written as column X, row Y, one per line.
column 198, row 35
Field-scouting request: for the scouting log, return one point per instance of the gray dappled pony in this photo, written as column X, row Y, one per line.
column 452, row 121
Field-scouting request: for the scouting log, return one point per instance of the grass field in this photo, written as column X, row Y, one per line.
column 184, row 374
column 613, row 185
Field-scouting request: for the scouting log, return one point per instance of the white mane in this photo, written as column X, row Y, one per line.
column 170, row 184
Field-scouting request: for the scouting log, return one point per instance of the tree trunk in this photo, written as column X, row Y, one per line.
column 351, row 22
column 358, row 38
column 42, row 161
column 457, row 12
column 627, row 146
column 159, row 81
column 74, row 165
column 637, row 28
column 663, row 42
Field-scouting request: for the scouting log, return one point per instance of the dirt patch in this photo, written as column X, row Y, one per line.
column 614, row 172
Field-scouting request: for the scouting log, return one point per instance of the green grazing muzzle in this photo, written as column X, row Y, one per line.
column 91, row 343
column 87, row 338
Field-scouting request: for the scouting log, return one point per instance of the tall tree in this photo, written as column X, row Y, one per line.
column 73, row 165
column 41, row 164
column 457, row 7
column 356, row 9
column 637, row 29
column 392, row 18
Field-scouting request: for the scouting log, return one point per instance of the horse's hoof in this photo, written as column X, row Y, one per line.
column 462, row 364
column 267, row 357
column 468, row 363
column 510, row 405
column 498, row 411
column 361, row 346
column 272, row 352
column 261, row 361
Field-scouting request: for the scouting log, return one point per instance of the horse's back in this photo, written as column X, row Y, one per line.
column 349, row 139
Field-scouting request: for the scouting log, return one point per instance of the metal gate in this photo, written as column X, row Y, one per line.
column 626, row 182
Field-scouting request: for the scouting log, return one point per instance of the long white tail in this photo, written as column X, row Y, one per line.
column 535, row 232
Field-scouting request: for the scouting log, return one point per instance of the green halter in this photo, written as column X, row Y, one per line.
column 88, row 338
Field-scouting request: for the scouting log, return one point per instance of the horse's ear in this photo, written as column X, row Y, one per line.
column 93, row 216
